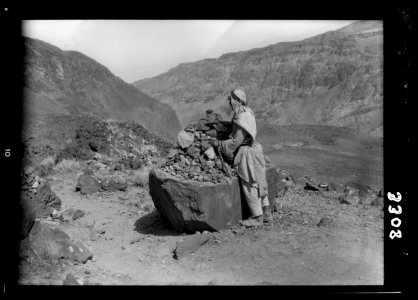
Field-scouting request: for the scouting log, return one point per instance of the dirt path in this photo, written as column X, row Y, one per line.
column 136, row 246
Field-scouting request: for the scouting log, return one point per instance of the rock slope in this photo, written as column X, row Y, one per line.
column 70, row 83
column 335, row 78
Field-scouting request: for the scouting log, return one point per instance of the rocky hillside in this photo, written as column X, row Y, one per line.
column 335, row 78
column 70, row 83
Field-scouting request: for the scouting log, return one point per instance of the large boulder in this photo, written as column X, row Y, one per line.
column 195, row 206
column 50, row 244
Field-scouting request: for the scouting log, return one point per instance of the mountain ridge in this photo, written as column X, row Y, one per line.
column 334, row 78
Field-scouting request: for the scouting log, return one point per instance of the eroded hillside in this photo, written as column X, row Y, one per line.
column 68, row 82
column 335, row 78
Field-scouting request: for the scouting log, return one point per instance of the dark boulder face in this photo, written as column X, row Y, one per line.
column 28, row 213
column 195, row 206
column 50, row 244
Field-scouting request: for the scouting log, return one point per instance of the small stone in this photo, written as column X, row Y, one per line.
column 213, row 282
column 177, row 167
column 35, row 185
column 55, row 214
column 136, row 164
column 165, row 248
column 100, row 229
column 350, row 200
column 205, row 145
column 70, row 279
column 94, row 235
column 135, row 240
column 327, row 222
column 181, row 164
column 197, row 134
column 87, row 185
column 172, row 153
column 378, row 201
column 78, row 214
column 210, row 153
column 210, row 163
column 71, row 214
column 118, row 167
column 193, row 151
column 212, row 133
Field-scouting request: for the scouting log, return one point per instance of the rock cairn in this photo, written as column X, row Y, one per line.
column 30, row 181
column 193, row 158
column 38, row 192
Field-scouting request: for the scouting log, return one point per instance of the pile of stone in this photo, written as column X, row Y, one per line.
column 194, row 158
column 37, row 191
column 30, row 181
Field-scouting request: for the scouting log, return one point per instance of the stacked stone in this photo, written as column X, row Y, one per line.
column 188, row 160
column 36, row 199
column 30, row 181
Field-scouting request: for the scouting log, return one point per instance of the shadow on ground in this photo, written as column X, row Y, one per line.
column 154, row 224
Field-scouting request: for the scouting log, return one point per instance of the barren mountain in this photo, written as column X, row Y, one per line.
column 335, row 78
column 70, row 83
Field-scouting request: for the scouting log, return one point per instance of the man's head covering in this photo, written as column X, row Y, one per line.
column 239, row 95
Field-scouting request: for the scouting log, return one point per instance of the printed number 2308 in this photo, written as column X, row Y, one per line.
column 395, row 222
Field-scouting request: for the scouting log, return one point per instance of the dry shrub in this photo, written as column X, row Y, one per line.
column 67, row 166
column 46, row 166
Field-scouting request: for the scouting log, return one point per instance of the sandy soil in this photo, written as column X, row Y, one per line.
column 136, row 248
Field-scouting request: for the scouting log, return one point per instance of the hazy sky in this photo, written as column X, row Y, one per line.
column 136, row 49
